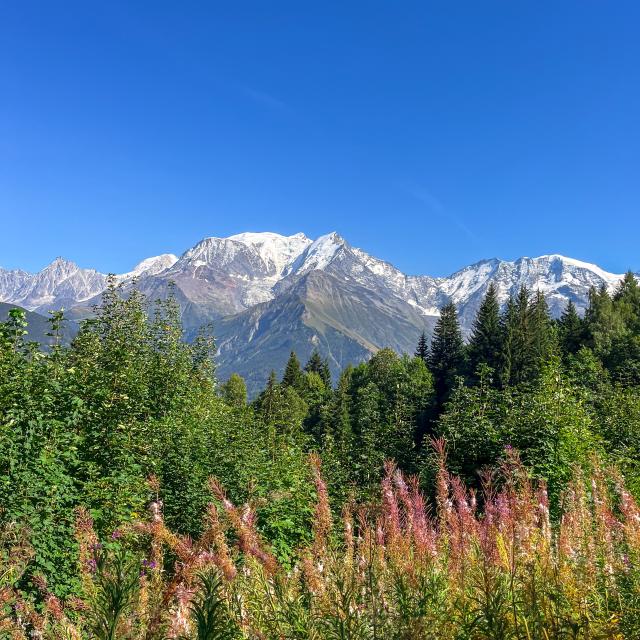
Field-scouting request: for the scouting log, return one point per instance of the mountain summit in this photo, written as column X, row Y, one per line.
column 267, row 294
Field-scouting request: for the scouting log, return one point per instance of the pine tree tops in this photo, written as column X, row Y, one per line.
column 293, row 375
column 422, row 350
column 528, row 337
column 627, row 301
column 543, row 336
column 612, row 326
column 446, row 356
column 628, row 290
column 319, row 365
column 486, row 340
column 571, row 330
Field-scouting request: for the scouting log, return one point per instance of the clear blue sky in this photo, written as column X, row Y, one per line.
column 431, row 134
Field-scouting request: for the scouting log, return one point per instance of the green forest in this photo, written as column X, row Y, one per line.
column 479, row 488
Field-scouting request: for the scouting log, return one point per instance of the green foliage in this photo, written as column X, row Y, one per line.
column 293, row 376
column 422, row 350
column 379, row 408
column 571, row 330
column 552, row 428
column 316, row 395
column 446, row 357
column 209, row 611
column 234, row 391
column 472, row 426
column 544, row 340
column 116, row 583
column 613, row 329
column 547, row 422
column 318, row 364
column 485, row 343
column 87, row 424
column 616, row 411
column 280, row 407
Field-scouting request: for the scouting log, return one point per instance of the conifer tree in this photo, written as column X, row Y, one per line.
column 319, row 365
column 422, row 351
column 372, row 434
column 293, row 376
column 486, row 339
column 470, row 426
column 624, row 357
column 602, row 323
column 316, row 395
column 543, row 337
column 446, row 355
column 627, row 301
column 517, row 339
column 338, row 440
column 281, row 407
column 507, row 339
column 267, row 400
column 570, row 330
column 337, row 418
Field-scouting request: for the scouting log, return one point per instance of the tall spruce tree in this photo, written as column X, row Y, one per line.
column 603, row 325
column 446, row 356
column 337, row 418
column 507, row 335
column 293, row 376
column 543, row 335
column 485, row 344
column 422, row 350
column 570, row 330
column 627, row 301
column 624, row 357
column 517, row 339
column 265, row 403
column 280, row 407
column 318, row 364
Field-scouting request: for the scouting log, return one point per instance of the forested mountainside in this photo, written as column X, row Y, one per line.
column 268, row 294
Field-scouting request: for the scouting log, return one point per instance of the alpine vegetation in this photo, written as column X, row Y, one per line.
column 484, row 487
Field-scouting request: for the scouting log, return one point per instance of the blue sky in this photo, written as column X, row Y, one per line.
column 431, row 134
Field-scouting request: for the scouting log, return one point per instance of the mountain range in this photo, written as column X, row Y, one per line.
column 267, row 294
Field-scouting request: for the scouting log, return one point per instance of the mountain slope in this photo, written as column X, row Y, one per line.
column 38, row 327
column 344, row 321
column 267, row 294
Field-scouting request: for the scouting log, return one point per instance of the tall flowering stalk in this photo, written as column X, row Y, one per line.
column 486, row 567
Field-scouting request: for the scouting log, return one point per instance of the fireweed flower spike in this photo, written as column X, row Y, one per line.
column 495, row 566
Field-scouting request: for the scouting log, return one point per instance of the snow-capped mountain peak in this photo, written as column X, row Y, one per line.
column 11, row 281
column 275, row 250
column 222, row 276
column 60, row 284
column 150, row 267
column 320, row 253
column 611, row 279
column 61, row 265
column 247, row 254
